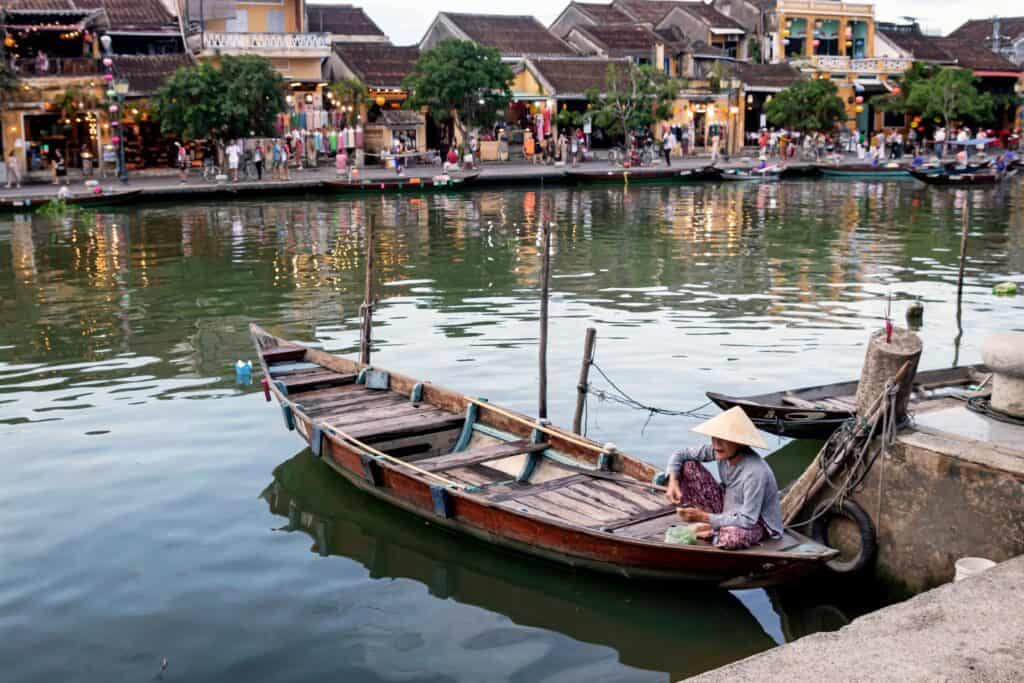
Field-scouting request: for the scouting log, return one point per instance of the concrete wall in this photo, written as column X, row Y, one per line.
column 943, row 497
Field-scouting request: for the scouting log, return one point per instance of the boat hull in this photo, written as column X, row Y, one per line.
column 961, row 179
column 862, row 171
column 401, row 185
column 482, row 517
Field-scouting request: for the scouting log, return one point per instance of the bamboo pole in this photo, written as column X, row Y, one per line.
column 550, row 431
column 367, row 307
column 583, row 384
column 966, row 215
column 545, row 283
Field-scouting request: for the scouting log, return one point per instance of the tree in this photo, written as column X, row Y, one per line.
column 461, row 81
column 240, row 98
column 350, row 93
column 633, row 97
column 9, row 83
column 807, row 106
column 950, row 94
column 898, row 102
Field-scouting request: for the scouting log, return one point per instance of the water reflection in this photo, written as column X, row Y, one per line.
column 680, row 630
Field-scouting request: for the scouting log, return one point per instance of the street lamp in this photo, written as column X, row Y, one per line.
column 121, row 88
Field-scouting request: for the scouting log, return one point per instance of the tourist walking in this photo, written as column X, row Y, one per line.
column 181, row 161
column 574, row 146
column 940, row 142
column 285, row 156
column 668, row 145
column 257, row 159
column 57, row 166
column 716, row 140
column 13, row 172
column 234, row 155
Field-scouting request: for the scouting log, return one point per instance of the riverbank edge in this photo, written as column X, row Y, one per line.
column 970, row 630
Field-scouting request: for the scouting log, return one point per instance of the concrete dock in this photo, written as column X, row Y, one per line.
column 972, row 630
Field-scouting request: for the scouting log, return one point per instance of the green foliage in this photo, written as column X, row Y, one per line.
column 59, row 209
column 9, row 83
column 73, row 100
column 350, row 92
column 950, row 94
column 754, row 50
column 633, row 97
column 807, row 105
column 463, row 81
column 918, row 71
column 238, row 99
column 566, row 118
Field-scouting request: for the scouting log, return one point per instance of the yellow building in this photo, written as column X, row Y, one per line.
column 837, row 41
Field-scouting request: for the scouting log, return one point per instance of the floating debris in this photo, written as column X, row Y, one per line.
column 1005, row 289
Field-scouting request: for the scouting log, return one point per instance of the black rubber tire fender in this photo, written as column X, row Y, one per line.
column 868, row 536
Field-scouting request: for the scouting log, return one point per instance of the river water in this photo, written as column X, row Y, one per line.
column 152, row 507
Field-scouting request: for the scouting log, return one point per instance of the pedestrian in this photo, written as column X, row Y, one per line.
column 181, row 161
column 234, row 154
column 341, row 162
column 285, row 156
column 716, row 140
column 897, row 145
column 275, row 160
column 668, row 144
column 574, row 146
column 940, row 142
column 13, row 173
column 912, row 142
column 258, row 155
column 396, row 155
column 57, row 166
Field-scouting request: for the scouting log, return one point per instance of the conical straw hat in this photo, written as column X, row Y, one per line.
column 732, row 425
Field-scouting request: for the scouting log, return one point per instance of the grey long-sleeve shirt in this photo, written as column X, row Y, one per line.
column 750, row 489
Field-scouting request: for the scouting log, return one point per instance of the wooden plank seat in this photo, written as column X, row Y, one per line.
column 477, row 456
column 424, row 422
column 282, row 369
column 296, row 384
column 350, row 402
column 281, row 354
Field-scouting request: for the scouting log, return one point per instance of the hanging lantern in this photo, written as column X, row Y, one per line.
column 108, row 62
column 816, row 42
column 785, row 41
column 785, row 33
column 116, row 139
column 380, row 100
column 114, row 124
column 896, row 90
column 111, row 93
column 859, row 99
column 938, row 120
column 109, row 77
column 113, row 109
column 859, row 108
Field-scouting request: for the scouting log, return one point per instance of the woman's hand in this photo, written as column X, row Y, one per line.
column 693, row 515
column 675, row 492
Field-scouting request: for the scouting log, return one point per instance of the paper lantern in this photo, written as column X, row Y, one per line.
column 859, row 108
column 380, row 100
column 114, row 124
column 785, row 41
column 116, row 139
column 108, row 62
column 938, row 120
column 859, row 99
column 896, row 90
column 816, row 42
column 113, row 109
column 109, row 77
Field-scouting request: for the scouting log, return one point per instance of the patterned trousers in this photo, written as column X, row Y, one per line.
column 700, row 490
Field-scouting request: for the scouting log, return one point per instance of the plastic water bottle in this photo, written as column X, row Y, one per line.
column 243, row 372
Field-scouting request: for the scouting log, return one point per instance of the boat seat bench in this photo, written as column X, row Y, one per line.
column 477, row 456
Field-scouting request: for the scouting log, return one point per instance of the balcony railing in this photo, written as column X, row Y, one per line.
column 865, row 65
column 824, row 8
column 288, row 42
column 57, row 66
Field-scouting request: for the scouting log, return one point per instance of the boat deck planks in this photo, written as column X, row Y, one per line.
column 481, row 455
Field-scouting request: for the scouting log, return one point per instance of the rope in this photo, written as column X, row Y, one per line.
column 616, row 394
column 983, row 406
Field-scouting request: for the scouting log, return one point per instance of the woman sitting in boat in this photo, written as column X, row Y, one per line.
column 744, row 509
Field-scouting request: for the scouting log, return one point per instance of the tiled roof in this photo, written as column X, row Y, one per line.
column 976, row 56
column 512, row 36
column 622, row 40
column 920, row 46
column 123, row 15
column 673, row 37
column 602, row 14
column 146, row 73
column 377, row 64
column 709, row 14
column 574, row 76
column 341, row 20
column 767, row 75
column 702, row 49
column 979, row 31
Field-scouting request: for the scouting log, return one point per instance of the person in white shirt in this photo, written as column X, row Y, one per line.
column 940, row 142
column 234, row 154
column 668, row 144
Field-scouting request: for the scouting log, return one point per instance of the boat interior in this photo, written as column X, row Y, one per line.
column 520, row 472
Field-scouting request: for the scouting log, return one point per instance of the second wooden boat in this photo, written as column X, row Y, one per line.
column 816, row 412
column 862, row 171
column 403, row 184
column 84, row 200
column 499, row 476
column 962, row 179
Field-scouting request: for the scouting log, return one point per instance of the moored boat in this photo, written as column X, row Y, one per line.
column 963, row 179
column 90, row 199
column 770, row 174
column 816, row 412
column 497, row 475
column 404, row 184
column 862, row 171
column 622, row 175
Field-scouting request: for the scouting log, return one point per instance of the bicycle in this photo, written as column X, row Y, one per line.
column 618, row 156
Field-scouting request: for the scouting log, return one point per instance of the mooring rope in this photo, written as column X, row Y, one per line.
column 616, row 394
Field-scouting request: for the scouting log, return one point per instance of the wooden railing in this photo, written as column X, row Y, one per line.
column 865, row 65
column 313, row 42
column 57, row 66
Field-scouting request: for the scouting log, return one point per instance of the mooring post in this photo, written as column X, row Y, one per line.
column 545, row 281
column 367, row 307
column 583, row 384
column 966, row 215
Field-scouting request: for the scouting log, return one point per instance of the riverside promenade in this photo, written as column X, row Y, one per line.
column 966, row 631
column 164, row 184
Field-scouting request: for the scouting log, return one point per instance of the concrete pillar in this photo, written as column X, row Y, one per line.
column 809, row 42
column 1003, row 353
column 882, row 361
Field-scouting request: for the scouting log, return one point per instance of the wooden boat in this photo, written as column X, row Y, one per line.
column 499, row 476
column 816, row 412
column 962, row 179
column 622, row 175
column 403, row 184
column 702, row 174
column 862, row 171
column 84, row 200
column 754, row 175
